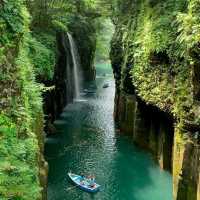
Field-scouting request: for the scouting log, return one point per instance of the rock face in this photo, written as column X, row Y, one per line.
column 55, row 100
column 84, row 33
column 63, row 93
column 186, row 166
column 157, row 86
column 43, row 165
column 150, row 128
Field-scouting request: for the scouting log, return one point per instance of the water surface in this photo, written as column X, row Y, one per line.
column 88, row 143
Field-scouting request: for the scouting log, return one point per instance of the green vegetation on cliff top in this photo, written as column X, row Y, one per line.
column 27, row 58
column 161, row 44
column 21, row 104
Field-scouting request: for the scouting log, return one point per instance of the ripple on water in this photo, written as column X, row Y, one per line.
column 89, row 144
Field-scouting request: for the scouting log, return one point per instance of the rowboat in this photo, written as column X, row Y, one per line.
column 106, row 85
column 84, row 183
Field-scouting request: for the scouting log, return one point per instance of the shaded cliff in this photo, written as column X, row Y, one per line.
column 84, row 32
column 63, row 92
column 155, row 59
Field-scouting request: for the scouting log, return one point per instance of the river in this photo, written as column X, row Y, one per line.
column 87, row 142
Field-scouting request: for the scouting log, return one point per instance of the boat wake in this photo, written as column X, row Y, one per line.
column 80, row 100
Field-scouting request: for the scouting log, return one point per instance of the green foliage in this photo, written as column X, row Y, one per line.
column 56, row 13
column 59, row 26
column 19, row 146
column 42, row 54
column 18, row 169
column 189, row 27
column 18, row 162
column 13, row 21
column 80, row 17
column 160, row 41
column 25, row 58
column 104, row 35
column 21, row 104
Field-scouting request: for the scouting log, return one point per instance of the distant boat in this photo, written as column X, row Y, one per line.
column 106, row 85
column 84, row 183
column 89, row 91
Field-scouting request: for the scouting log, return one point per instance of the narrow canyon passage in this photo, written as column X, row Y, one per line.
column 88, row 143
column 103, row 88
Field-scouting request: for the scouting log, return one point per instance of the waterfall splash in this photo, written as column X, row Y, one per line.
column 76, row 67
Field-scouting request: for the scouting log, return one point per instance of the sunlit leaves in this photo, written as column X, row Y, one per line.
column 162, row 38
column 20, row 106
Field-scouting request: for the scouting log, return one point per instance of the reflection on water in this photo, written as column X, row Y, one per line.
column 88, row 143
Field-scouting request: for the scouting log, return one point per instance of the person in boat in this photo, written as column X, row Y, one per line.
column 82, row 176
column 82, row 179
column 92, row 181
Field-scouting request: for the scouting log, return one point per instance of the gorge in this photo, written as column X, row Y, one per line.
column 149, row 63
column 88, row 142
column 140, row 136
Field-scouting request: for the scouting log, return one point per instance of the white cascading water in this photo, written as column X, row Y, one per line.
column 76, row 67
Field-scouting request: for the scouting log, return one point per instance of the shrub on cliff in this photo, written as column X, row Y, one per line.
column 20, row 105
column 161, row 44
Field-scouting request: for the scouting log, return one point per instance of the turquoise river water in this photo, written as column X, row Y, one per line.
column 88, row 143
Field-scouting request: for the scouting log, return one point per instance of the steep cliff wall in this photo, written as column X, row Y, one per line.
column 155, row 57
column 63, row 79
column 23, row 170
column 84, row 32
column 63, row 92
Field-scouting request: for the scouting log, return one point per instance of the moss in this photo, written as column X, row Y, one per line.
column 158, row 41
column 186, row 165
column 127, row 114
column 42, row 50
column 20, row 104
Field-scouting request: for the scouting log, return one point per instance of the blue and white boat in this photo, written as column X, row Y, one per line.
column 84, row 183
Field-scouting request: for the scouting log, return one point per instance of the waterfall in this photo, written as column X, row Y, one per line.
column 76, row 63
